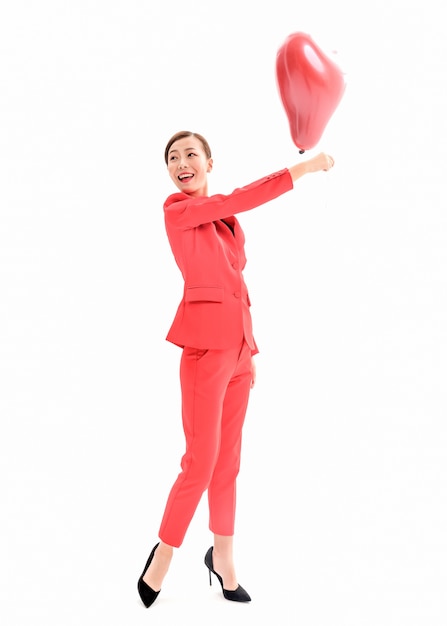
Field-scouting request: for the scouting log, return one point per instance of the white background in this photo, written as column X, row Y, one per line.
column 341, row 514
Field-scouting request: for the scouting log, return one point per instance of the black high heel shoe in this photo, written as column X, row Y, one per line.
column 238, row 595
column 147, row 594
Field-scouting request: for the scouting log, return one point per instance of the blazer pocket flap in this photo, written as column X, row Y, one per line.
column 204, row 294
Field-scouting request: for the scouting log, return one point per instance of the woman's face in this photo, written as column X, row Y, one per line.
column 188, row 166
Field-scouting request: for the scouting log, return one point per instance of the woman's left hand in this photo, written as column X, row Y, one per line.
column 253, row 373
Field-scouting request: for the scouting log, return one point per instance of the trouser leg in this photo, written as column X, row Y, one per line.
column 205, row 377
column 222, row 488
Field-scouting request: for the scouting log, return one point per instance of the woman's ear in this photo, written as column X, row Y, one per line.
column 210, row 165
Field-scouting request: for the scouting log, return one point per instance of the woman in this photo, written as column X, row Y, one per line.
column 213, row 327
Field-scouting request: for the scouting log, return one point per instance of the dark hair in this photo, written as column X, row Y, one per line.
column 187, row 133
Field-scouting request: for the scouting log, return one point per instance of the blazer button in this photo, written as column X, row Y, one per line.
column 237, row 294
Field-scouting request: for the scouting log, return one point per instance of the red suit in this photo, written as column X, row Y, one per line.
column 213, row 326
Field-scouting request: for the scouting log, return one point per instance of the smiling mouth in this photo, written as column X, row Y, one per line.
column 184, row 178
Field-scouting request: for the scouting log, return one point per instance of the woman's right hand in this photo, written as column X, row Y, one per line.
column 318, row 163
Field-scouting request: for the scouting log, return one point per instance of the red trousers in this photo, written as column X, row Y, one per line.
column 215, row 387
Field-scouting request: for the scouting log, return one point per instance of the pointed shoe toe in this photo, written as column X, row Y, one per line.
column 147, row 594
column 238, row 595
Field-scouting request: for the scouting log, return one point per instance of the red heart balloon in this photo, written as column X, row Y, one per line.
column 310, row 85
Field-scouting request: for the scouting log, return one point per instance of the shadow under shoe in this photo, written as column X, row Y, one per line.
column 147, row 594
column 238, row 595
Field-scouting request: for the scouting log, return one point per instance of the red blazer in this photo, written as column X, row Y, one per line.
column 214, row 310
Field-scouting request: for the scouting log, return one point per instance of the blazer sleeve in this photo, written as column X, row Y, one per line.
column 184, row 212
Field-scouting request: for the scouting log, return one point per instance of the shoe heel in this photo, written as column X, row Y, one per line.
column 237, row 595
column 209, row 572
